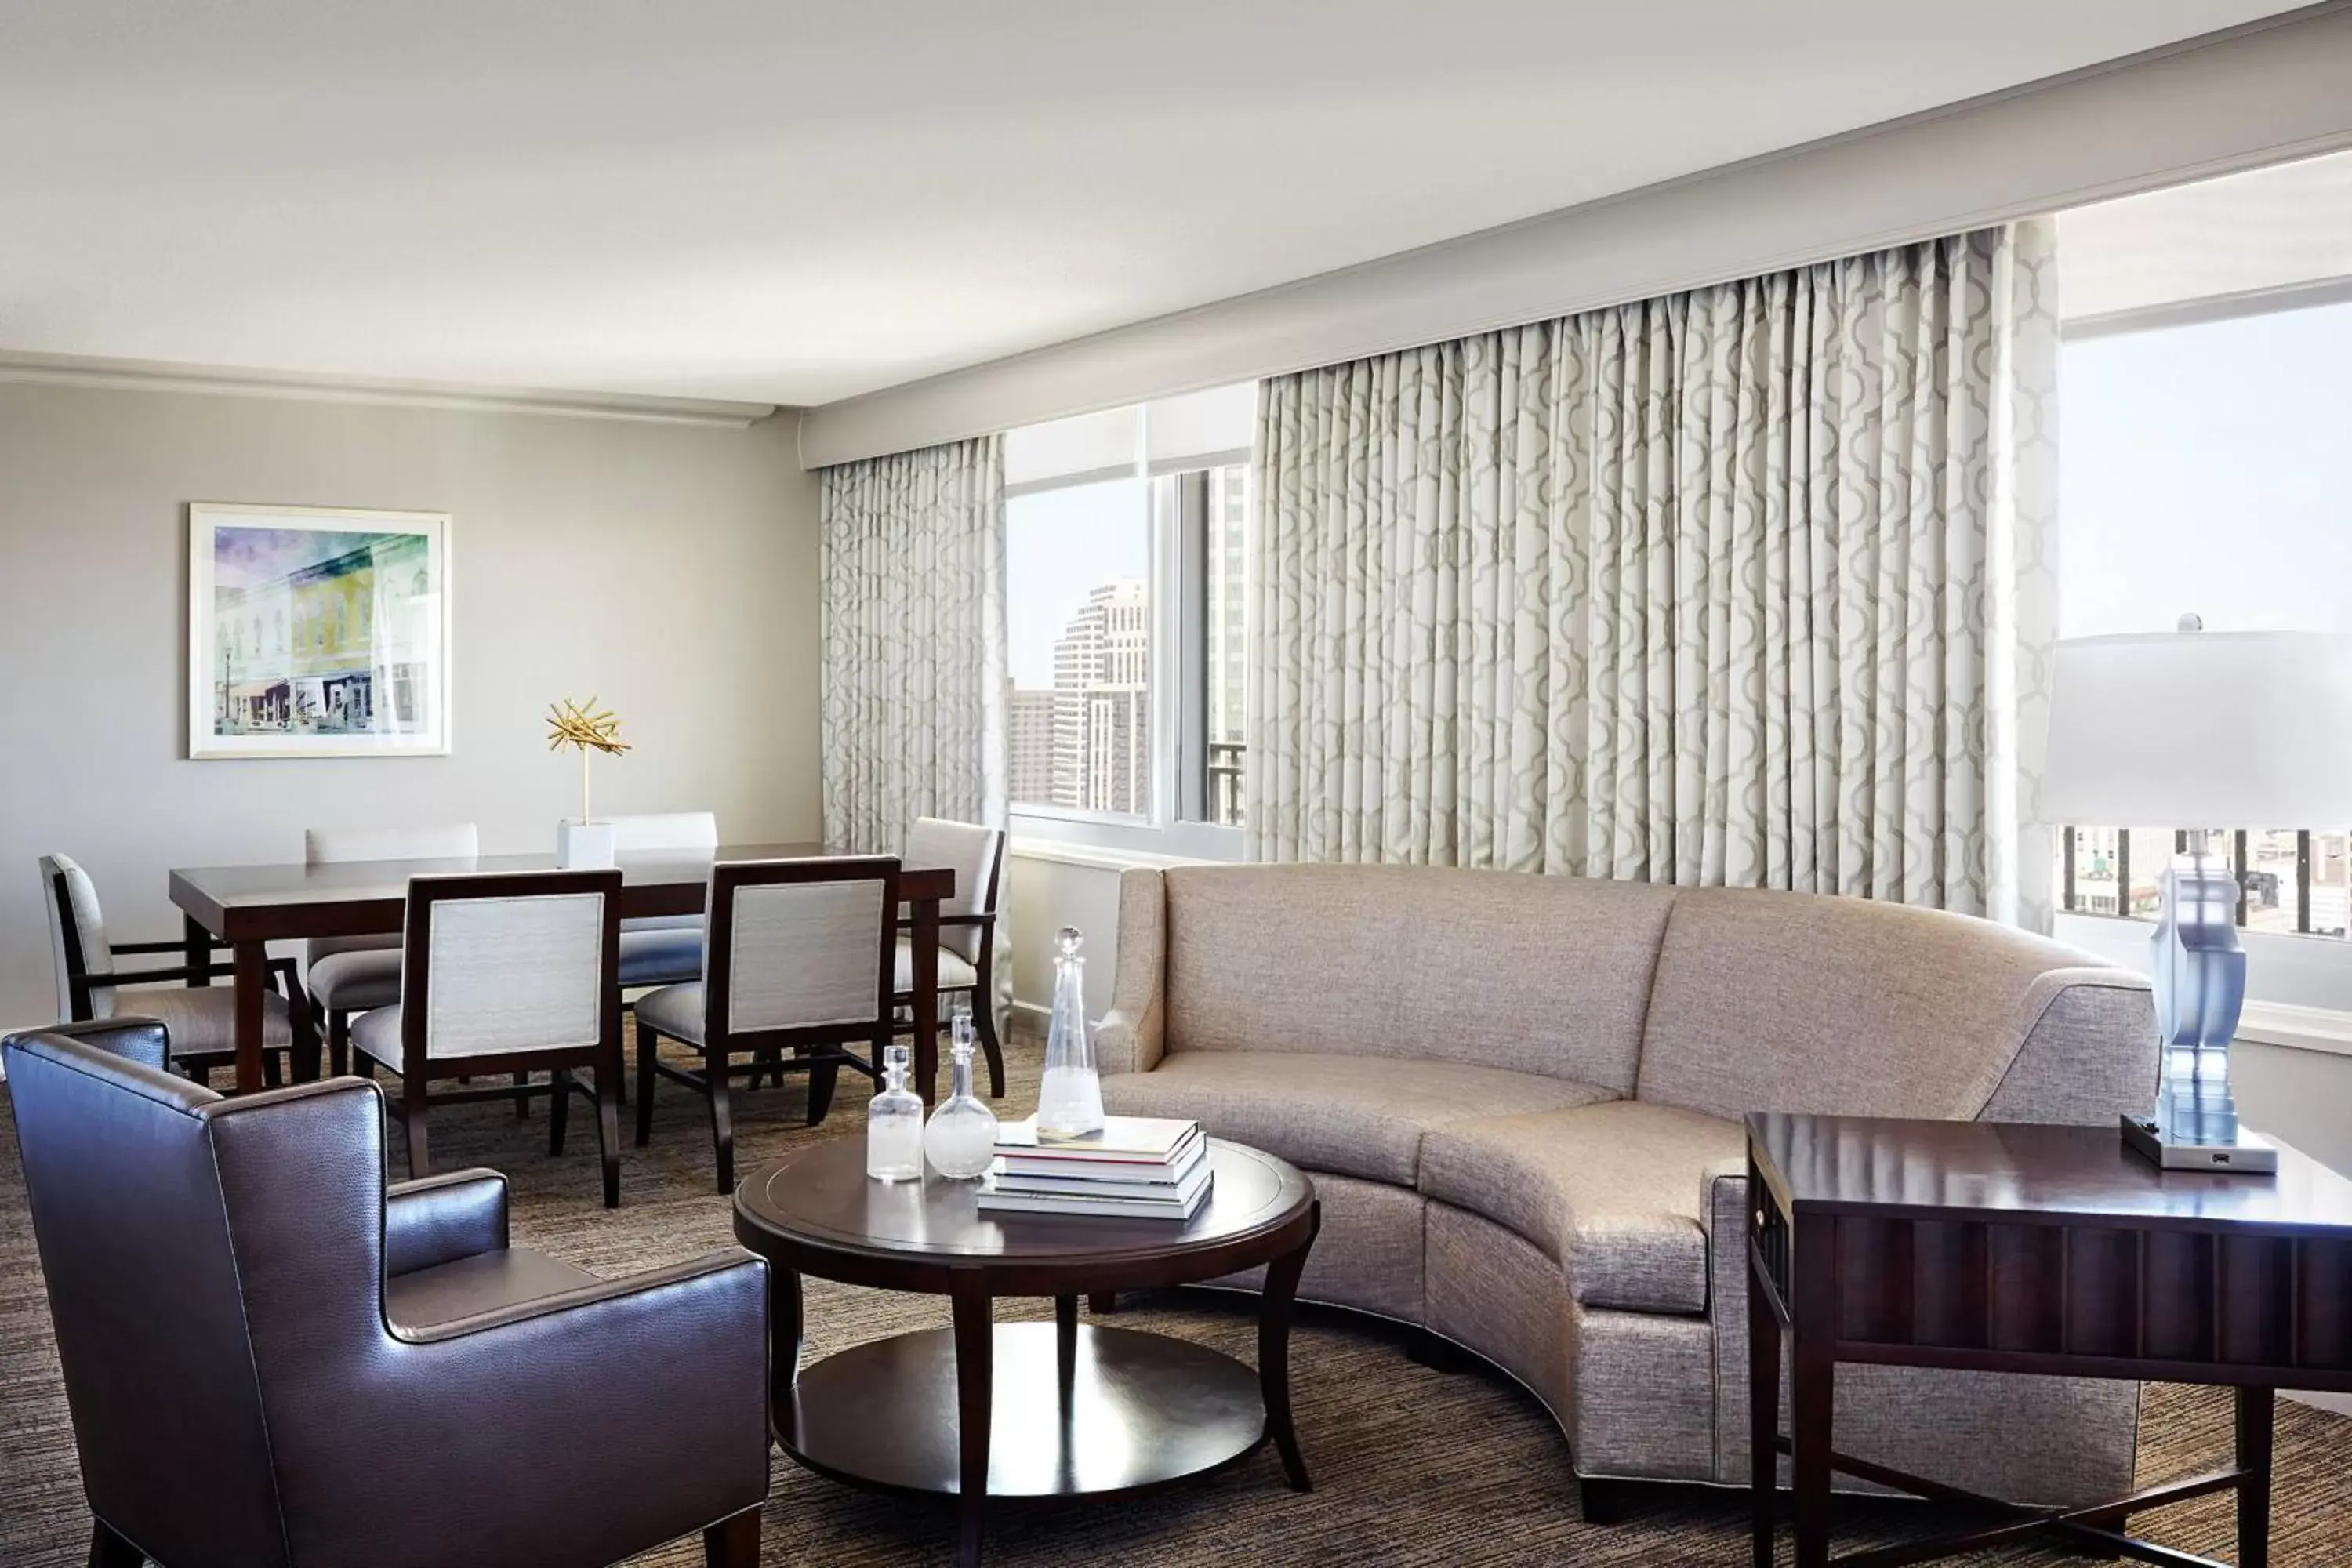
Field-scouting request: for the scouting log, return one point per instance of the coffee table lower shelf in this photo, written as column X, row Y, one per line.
column 1122, row 1411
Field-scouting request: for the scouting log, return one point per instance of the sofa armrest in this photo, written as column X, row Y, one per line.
column 1129, row 1039
column 440, row 1219
column 2087, row 1050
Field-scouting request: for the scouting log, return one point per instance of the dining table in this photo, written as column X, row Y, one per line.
column 246, row 908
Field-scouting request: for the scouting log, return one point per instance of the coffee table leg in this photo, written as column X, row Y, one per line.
column 784, row 1334
column 1065, row 1343
column 1274, row 1355
column 1763, row 1408
column 975, row 1344
column 2255, row 1413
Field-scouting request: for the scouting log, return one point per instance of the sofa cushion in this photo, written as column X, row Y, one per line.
column 1414, row 961
column 1353, row 1116
column 1769, row 1001
column 1612, row 1192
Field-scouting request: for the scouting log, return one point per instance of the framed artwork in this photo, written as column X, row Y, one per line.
column 317, row 632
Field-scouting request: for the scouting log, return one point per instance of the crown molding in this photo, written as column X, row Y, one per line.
column 156, row 376
column 2263, row 92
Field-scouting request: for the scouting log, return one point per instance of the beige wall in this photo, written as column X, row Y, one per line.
column 669, row 570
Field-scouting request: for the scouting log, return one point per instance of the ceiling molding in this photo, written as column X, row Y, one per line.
column 153, row 375
column 2262, row 93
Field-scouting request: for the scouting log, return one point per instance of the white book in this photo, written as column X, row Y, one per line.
column 990, row 1201
column 1080, row 1158
column 1178, row 1192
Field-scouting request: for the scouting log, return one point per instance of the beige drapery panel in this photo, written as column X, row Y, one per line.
column 913, row 657
column 1748, row 585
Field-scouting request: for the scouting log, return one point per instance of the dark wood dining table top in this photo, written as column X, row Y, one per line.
column 2027, row 1174
column 360, row 896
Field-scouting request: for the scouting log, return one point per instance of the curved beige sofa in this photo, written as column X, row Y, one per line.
column 1520, row 1097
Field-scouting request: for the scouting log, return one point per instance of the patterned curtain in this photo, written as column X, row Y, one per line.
column 913, row 664
column 1749, row 585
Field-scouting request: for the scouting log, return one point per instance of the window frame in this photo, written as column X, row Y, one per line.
column 1177, row 645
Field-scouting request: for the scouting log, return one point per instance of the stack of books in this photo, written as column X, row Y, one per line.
column 1136, row 1167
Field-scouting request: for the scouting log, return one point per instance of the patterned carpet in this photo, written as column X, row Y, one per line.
column 1415, row 1468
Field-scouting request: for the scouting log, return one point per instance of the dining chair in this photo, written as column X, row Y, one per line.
column 202, row 1018
column 662, row 949
column 272, row 1358
column 349, row 975
column 799, row 959
column 967, row 925
column 505, row 973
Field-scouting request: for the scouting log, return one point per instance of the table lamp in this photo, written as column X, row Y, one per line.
column 2197, row 730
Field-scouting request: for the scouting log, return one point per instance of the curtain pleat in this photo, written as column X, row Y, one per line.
column 1748, row 585
column 913, row 658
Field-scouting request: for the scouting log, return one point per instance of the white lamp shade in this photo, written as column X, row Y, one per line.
column 2201, row 730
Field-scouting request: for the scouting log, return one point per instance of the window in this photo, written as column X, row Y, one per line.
column 2203, row 473
column 1127, row 599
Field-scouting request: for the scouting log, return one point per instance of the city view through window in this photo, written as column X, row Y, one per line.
column 2202, row 472
column 1086, row 613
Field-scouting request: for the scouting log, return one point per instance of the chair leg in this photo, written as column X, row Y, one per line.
column 646, row 1041
column 733, row 1543
column 722, row 1131
column 338, row 1040
column 108, row 1550
column 272, row 1076
column 558, row 1108
column 983, row 1020
column 413, row 1113
column 522, row 1100
column 823, row 1074
column 608, row 1132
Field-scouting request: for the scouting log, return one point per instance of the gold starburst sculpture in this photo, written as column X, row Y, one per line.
column 587, row 729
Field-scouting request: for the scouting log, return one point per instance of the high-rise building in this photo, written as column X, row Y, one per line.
column 1029, row 725
column 1102, row 690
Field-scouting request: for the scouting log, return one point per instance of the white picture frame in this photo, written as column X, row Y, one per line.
column 318, row 632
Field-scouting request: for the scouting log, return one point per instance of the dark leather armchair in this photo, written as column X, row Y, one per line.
column 272, row 1360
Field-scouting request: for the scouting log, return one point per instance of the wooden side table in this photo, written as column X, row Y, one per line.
column 2054, row 1250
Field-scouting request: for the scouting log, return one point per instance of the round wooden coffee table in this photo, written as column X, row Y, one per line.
column 1023, row 1410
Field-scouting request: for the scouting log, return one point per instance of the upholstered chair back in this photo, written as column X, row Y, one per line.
column 798, row 944
column 338, row 846
column 137, row 1182
column 977, row 855
column 501, row 965
column 76, row 937
column 694, row 830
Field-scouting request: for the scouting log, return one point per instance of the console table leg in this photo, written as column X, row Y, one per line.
column 975, row 1344
column 1763, row 1414
column 1812, row 1387
column 1274, row 1305
column 2254, row 1414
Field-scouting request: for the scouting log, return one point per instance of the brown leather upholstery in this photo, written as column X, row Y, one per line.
column 271, row 1358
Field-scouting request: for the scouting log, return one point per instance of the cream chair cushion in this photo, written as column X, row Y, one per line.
column 1356, row 1116
column 675, row 1010
column 202, row 1020
column 357, row 979
column 956, row 972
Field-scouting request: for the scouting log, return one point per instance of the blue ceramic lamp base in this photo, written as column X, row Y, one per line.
column 2199, row 979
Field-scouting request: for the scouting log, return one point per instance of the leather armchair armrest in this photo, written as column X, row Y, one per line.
column 440, row 1219
column 655, row 1387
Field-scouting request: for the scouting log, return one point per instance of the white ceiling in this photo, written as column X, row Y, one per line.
column 792, row 202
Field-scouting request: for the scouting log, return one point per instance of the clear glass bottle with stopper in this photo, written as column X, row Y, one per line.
column 894, row 1124
column 961, row 1141
column 1069, row 1104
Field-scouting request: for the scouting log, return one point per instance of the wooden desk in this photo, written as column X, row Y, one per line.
column 2054, row 1250
column 248, row 907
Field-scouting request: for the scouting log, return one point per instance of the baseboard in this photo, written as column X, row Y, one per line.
column 1036, row 1013
column 2341, row 1404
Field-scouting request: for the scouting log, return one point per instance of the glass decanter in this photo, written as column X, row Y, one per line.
column 894, row 1124
column 1069, row 1102
column 961, row 1141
